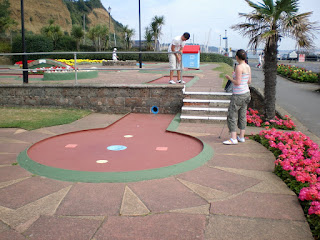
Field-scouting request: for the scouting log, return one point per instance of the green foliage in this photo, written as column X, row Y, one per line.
column 34, row 43
column 314, row 222
column 214, row 57
column 5, row 19
column 5, row 47
column 53, row 32
column 77, row 33
column 66, row 43
column 99, row 35
column 79, row 8
column 298, row 74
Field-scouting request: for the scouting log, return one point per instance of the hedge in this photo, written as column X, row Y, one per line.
column 34, row 43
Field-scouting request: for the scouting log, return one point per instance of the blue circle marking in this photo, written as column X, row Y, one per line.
column 154, row 109
column 116, row 147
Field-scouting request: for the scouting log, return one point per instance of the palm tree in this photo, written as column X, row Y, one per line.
column 92, row 35
column 52, row 31
column 77, row 33
column 99, row 36
column 267, row 24
column 156, row 26
column 149, row 37
column 128, row 34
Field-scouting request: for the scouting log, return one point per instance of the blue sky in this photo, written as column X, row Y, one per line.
column 206, row 20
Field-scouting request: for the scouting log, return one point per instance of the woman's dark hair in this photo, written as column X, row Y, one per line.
column 241, row 54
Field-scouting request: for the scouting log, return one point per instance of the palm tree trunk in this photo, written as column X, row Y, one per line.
column 270, row 74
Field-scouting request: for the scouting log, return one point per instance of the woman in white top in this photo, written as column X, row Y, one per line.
column 237, row 112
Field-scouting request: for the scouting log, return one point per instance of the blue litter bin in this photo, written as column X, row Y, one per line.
column 191, row 56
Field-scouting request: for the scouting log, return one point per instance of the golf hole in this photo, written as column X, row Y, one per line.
column 154, row 109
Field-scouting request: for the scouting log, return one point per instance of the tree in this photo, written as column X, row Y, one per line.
column 267, row 24
column 148, row 37
column 156, row 26
column 5, row 19
column 99, row 35
column 52, row 31
column 128, row 34
column 77, row 33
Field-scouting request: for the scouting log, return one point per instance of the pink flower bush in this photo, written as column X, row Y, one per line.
column 300, row 157
column 285, row 123
column 254, row 119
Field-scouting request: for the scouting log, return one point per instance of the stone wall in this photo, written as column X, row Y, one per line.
column 119, row 63
column 257, row 99
column 108, row 99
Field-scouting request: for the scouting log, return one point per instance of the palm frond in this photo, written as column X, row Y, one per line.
column 300, row 28
column 288, row 6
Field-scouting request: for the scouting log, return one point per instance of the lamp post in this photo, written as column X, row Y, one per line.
column 140, row 55
column 220, row 45
column 24, row 48
column 227, row 50
column 109, row 11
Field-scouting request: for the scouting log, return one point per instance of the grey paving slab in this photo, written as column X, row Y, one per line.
column 29, row 190
column 169, row 226
column 12, row 172
column 62, row 228
column 7, row 132
column 218, row 179
column 241, row 228
column 8, row 158
column 11, row 235
column 249, row 146
column 13, row 147
column 261, row 162
column 165, row 194
column 31, row 136
column 92, row 200
column 94, row 120
column 261, row 205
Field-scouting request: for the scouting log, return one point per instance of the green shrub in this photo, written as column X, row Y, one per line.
column 34, row 43
column 5, row 47
column 215, row 57
column 66, row 43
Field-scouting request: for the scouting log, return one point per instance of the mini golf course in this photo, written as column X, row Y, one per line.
column 135, row 148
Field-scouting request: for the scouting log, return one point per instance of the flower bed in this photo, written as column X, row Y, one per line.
column 79, row 61
column 20, row 62
column 42, row 70
column 298, row 74
column 256, row 119
column 298, row 165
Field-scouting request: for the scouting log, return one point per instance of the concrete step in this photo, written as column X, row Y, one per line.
column 198, row 111
column 203, row 119
column 206, row 102
column 208, row 95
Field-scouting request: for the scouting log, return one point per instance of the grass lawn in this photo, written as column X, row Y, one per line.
column 33, row 118
column 224, row 69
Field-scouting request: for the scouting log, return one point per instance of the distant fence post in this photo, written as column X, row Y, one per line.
column 75, row 69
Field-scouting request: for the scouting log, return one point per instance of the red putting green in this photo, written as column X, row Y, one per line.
column 137, row 147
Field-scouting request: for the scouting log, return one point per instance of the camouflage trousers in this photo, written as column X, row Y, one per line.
column 237, row 112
